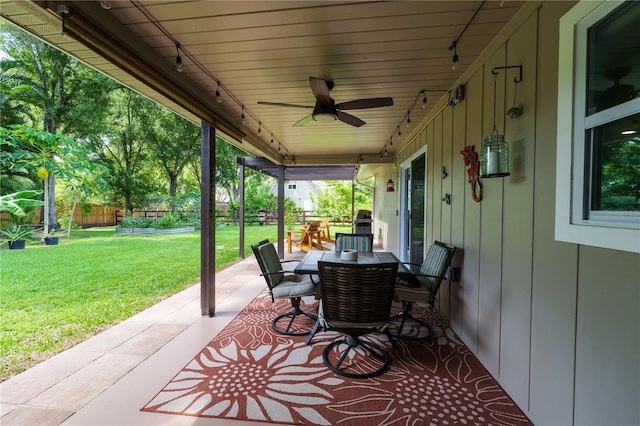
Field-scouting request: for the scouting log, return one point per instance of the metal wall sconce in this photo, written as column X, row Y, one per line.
column 447, row 199
column 391, row 186
column 494, row 154
column 458, row 95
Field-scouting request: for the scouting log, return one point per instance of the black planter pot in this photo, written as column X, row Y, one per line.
column 51, row 241
column 16, row 245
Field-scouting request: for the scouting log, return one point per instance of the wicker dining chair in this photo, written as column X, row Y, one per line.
column 356, row 301
column 285, row 284
column 358, row 242
column 422, row 287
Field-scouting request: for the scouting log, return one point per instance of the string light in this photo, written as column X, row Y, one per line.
column 454, row 44
column 422, row 93
column 179, row 67
column 65, row 11
column 218, row 97
column 454, row 47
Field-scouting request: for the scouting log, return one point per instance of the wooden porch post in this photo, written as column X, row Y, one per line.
column 208, row 220
column 241, row 209
column 353, row 205
column 281, row 212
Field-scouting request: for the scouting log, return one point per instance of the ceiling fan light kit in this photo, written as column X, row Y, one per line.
column 324, row 114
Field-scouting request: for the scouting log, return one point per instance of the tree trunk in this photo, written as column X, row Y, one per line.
column 73, row 211
column 51, row 219
column 173, row 184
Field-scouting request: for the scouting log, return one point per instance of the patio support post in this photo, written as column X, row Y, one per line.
column 353, row 205
column 208, row 220
column 281, row 212
column 241, row 213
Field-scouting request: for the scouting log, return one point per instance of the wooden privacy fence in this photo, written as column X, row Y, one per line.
column 91, row 215
column 85, row 215
column 300, row 217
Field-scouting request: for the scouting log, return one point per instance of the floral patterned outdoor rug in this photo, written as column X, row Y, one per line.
column 249, row 372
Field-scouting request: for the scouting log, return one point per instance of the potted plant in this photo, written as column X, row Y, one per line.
column 14, row 236
column 51, row 238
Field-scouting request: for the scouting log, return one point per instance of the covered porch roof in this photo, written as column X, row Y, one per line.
column 293, row 172
column 246, row 66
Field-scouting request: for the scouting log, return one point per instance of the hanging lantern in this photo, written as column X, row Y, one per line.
column 494, row 156
column 390, row 186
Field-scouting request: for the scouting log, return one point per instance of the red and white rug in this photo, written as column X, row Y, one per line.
column 249, row 372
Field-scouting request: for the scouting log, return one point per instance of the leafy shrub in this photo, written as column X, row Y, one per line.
column 169, row 220
column 137, row 222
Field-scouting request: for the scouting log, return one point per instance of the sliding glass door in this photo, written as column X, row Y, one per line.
column 412, row 218
column 416, row 212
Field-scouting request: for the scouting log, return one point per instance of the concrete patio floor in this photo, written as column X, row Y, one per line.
column 106, row 379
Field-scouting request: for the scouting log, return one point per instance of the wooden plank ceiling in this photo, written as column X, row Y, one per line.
column 267, row 50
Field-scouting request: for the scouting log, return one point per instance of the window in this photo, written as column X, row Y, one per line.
column 598, row 163
column 291, row 186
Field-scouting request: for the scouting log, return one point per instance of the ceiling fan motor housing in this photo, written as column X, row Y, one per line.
column 325, row 113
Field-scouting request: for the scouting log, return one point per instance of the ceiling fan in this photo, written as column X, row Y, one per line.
column 326, row 109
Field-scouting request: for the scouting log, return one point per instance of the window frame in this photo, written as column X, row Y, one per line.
column 572, row 122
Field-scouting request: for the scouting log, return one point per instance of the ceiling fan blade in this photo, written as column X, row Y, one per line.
column 284, row 104
column 365, row 103
column 349, row 119
column 303, row 121
column 320, row 89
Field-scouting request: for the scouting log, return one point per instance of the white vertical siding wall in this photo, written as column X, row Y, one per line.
column 557, row 324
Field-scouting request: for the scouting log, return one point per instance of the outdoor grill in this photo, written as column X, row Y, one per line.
column 362, row 222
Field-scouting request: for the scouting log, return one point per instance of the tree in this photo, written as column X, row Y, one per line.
column 258, row 193
column 621, row 175
column 227, row 169
column 12, row 111
column 61, row 93
column 176, row 142
column 335, row 200
column 124, row 150
column 37, row 154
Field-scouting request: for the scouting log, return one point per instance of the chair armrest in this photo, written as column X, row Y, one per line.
column 412, row 266
column 409, row 263
column 429, row 276
column 264, row 274
column 290, row 272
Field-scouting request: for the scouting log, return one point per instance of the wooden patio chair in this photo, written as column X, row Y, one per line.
column 308, row 239
column 325, row 233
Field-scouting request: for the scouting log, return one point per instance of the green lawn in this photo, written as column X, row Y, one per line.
column 53, row 297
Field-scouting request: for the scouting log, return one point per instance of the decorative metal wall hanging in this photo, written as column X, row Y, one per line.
column 473, row 172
